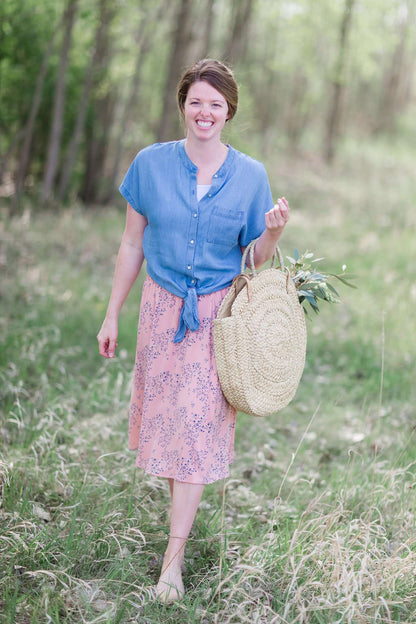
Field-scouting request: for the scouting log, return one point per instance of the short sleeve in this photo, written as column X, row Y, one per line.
column 262, row 202
column 130, row 187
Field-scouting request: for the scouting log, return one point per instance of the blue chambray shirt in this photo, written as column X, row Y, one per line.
column 194, row 248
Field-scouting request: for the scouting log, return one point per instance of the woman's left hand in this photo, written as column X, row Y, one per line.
column 277, row 217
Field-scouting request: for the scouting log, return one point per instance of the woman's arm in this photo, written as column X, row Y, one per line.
column 276, row 220
column 129, row 262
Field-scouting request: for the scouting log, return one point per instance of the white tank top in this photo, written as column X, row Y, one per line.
column 201, row 190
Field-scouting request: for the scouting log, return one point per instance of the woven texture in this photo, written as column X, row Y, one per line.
column 260, row 340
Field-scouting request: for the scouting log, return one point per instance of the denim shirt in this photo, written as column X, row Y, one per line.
column 194, row 247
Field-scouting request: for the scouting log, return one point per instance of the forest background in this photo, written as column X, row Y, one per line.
column 85, row 84
column 317, row 523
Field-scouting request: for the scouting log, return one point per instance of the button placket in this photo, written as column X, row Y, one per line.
column 193, row 225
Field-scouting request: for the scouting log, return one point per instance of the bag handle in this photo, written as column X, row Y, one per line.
column 249, row 251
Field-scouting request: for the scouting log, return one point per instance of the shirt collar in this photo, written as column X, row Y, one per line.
column 222, row 171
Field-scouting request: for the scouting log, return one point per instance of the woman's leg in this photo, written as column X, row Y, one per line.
column 185, row 501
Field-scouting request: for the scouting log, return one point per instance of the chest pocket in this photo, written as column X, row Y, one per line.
column 224, row 227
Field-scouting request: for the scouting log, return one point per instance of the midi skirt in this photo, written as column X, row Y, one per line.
column 180, row 422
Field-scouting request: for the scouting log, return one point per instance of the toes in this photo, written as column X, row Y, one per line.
column 170, row 587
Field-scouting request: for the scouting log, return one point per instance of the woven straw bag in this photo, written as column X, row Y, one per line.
column 260, row 339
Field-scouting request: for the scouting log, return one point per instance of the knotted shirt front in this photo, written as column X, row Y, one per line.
column 194, row 247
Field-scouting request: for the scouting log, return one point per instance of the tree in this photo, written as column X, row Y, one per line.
column 24, row 29
column 208, row 27
column 59, row 103
column 395, row 84
column 236, row 44
column 83, row 102
column 101, row 109
column 338, row 83
column 30, row 125
column 180, row 41
column 143, row 43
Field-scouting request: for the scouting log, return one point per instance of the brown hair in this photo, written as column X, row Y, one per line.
column 217, row 75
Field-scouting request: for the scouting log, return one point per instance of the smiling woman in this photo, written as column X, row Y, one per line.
column 193, row 206
column 205, row 111
column 212, row 73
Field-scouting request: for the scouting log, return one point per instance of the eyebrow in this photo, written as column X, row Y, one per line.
column 212, row 101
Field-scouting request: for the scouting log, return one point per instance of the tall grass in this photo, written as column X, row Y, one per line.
column 316, row 523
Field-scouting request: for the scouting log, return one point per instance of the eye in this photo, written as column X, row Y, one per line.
column 217, row 105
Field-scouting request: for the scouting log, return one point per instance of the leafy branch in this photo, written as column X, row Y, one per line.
column 313, row 285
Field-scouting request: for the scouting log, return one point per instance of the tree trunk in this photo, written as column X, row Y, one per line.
column 30, row 125
column 59, row 103
column 207, row 33
column 236, row 48
column 83, row 106
column 298, row 110
column 169, row 124
column 338, row 84
column 5, row 157
column 143, row 45
column 394, row 88
column 97, row 135
column 101, row 113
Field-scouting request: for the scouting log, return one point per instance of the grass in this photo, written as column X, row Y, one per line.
column 316, row 523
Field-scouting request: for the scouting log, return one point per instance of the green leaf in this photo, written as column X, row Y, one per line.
column 311, row 299
column 343, row 280
column 332, row 289
column 319, row 277
column 314, row 306
column 321, row 292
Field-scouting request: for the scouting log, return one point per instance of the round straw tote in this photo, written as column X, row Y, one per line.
column 260, row 339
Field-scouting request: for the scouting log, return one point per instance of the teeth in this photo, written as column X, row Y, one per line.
column 204, row 124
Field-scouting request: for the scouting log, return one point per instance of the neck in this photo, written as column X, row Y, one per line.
column 205, row 152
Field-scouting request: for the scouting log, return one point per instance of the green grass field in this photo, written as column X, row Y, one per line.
column 316, row 523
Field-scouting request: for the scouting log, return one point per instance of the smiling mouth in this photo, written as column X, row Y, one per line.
column 205, row 124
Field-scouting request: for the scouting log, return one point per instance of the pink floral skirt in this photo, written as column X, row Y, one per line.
column 180, row 422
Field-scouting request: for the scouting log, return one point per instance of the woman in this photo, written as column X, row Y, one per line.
column 193, row 205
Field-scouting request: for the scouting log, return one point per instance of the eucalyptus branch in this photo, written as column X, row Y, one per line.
column 312, row 284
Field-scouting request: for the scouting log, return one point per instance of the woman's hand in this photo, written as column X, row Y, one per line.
column 276, row 220
column 107, row 338
column 277, row 217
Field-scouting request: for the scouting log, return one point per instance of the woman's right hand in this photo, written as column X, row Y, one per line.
column 107, row 338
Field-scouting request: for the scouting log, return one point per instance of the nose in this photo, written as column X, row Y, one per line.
column 205, row 110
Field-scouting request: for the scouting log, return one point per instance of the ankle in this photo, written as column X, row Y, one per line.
column 175, row 553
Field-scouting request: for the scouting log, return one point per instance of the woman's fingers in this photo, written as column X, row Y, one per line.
column 103, row 345
column 112, row 344
column 278, row 216
column 107, row 342
column 107, row 348
column 283, row 206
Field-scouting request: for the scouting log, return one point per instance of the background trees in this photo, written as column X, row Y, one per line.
column 86, row 83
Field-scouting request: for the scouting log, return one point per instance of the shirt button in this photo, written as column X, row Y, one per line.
column 189, row 267
column 193, row 281
column 195, row 214
column 192, row 242
column 216, row 175
column 209, row 195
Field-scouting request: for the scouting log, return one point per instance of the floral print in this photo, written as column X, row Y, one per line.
column 180, row 422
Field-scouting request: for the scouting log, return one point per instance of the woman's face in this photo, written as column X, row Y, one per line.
column 205, row 112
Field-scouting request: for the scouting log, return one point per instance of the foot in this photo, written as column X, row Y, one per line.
column 170, row 586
